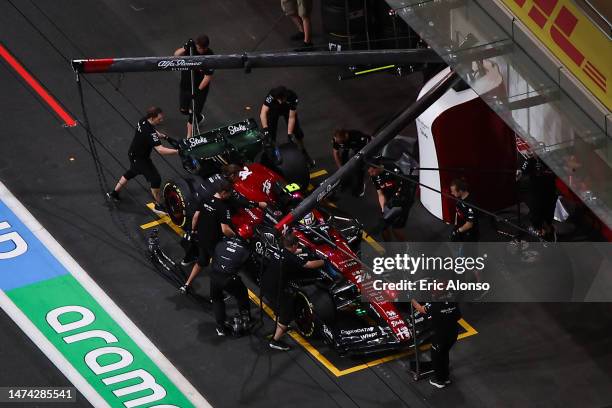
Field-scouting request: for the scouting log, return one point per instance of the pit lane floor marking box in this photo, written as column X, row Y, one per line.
column 312, row 350
column 66, row 314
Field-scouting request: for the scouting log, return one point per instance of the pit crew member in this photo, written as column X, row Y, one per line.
column 146, row 138
column 444, row 316
column 202, row 78
column 395, row 197
column 283, row 266
column 345, row 144
column 211, row 223
column 229, row 257
column 281, row 101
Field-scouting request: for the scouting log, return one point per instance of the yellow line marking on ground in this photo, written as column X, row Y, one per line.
column 318, row 173
column 470, row 331
column 153, row 224
column 163, row 219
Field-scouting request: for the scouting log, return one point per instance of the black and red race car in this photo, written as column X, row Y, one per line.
column 329, row 302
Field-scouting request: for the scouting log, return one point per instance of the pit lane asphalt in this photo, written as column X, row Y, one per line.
column 514, row 361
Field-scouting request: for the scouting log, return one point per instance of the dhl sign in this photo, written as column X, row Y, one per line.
column 572, row 37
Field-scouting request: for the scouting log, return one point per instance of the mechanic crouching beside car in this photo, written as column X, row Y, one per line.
column 229, row 257
column 283, row 266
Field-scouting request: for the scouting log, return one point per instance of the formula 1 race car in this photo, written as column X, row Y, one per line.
column 328, row 303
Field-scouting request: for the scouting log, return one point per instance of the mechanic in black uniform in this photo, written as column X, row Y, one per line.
column 345, row 144
column 466, row 216
column 444, row 316
column 395, row 197
column 466, row 221
column 229, row 257
column 542, row 196
column 146, row 138
column 283, row 266
column 202, row 78
column 281, row 101
column 229, row 173
column 211, row 222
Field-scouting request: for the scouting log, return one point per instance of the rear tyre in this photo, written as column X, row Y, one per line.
column 293, row 167
column 180, row 196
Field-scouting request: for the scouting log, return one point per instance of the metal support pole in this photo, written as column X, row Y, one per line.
column 380, row 139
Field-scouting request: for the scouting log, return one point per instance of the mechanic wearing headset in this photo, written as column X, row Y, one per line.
column 229, row 257
column 284, row 265
column 395, row 197
column 281, row 101
column 146, row 138
column 345, row 144
column 444, row 316
column 210, row 222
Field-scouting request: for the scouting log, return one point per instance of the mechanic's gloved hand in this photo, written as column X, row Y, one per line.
column 455, row 235
column 188, row 45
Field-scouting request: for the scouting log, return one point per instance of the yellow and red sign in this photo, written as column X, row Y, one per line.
column 572, row 38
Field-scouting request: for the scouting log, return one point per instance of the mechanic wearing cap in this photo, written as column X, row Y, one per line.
column 146, row 138
column 202, row 78
column 283, row 266
column 395, row 197
column 229, row 257
column 281, row 101
column 210, row 222
column 444, row 316
column 229, row 173
column 345, row 144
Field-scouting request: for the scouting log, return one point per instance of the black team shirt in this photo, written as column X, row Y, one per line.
column 355, row 142
column 198, row 74
column 467, row 213
column 213, row 213
column 145, row 139
column 277, row 108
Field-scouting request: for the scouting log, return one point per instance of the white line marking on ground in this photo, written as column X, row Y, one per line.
column 105, row 302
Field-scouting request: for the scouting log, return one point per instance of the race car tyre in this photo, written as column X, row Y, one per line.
column 314, row 308
column 293, row 166
column 179, row 195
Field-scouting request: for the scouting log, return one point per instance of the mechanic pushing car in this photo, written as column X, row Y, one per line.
column 146, row 138
column 229, row 173
column 284, row 266
column 229, row 257
column 395, row 197
column 192, row 103
column 345, row 144
column 282, row 101
column 444, row 316
column 210, row 222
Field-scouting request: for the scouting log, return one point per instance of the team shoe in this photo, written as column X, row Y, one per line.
column 113, row 195
column 437, row 383
column 223, row 330
column 278, row 345
column 184, row 289
column 188, row 260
